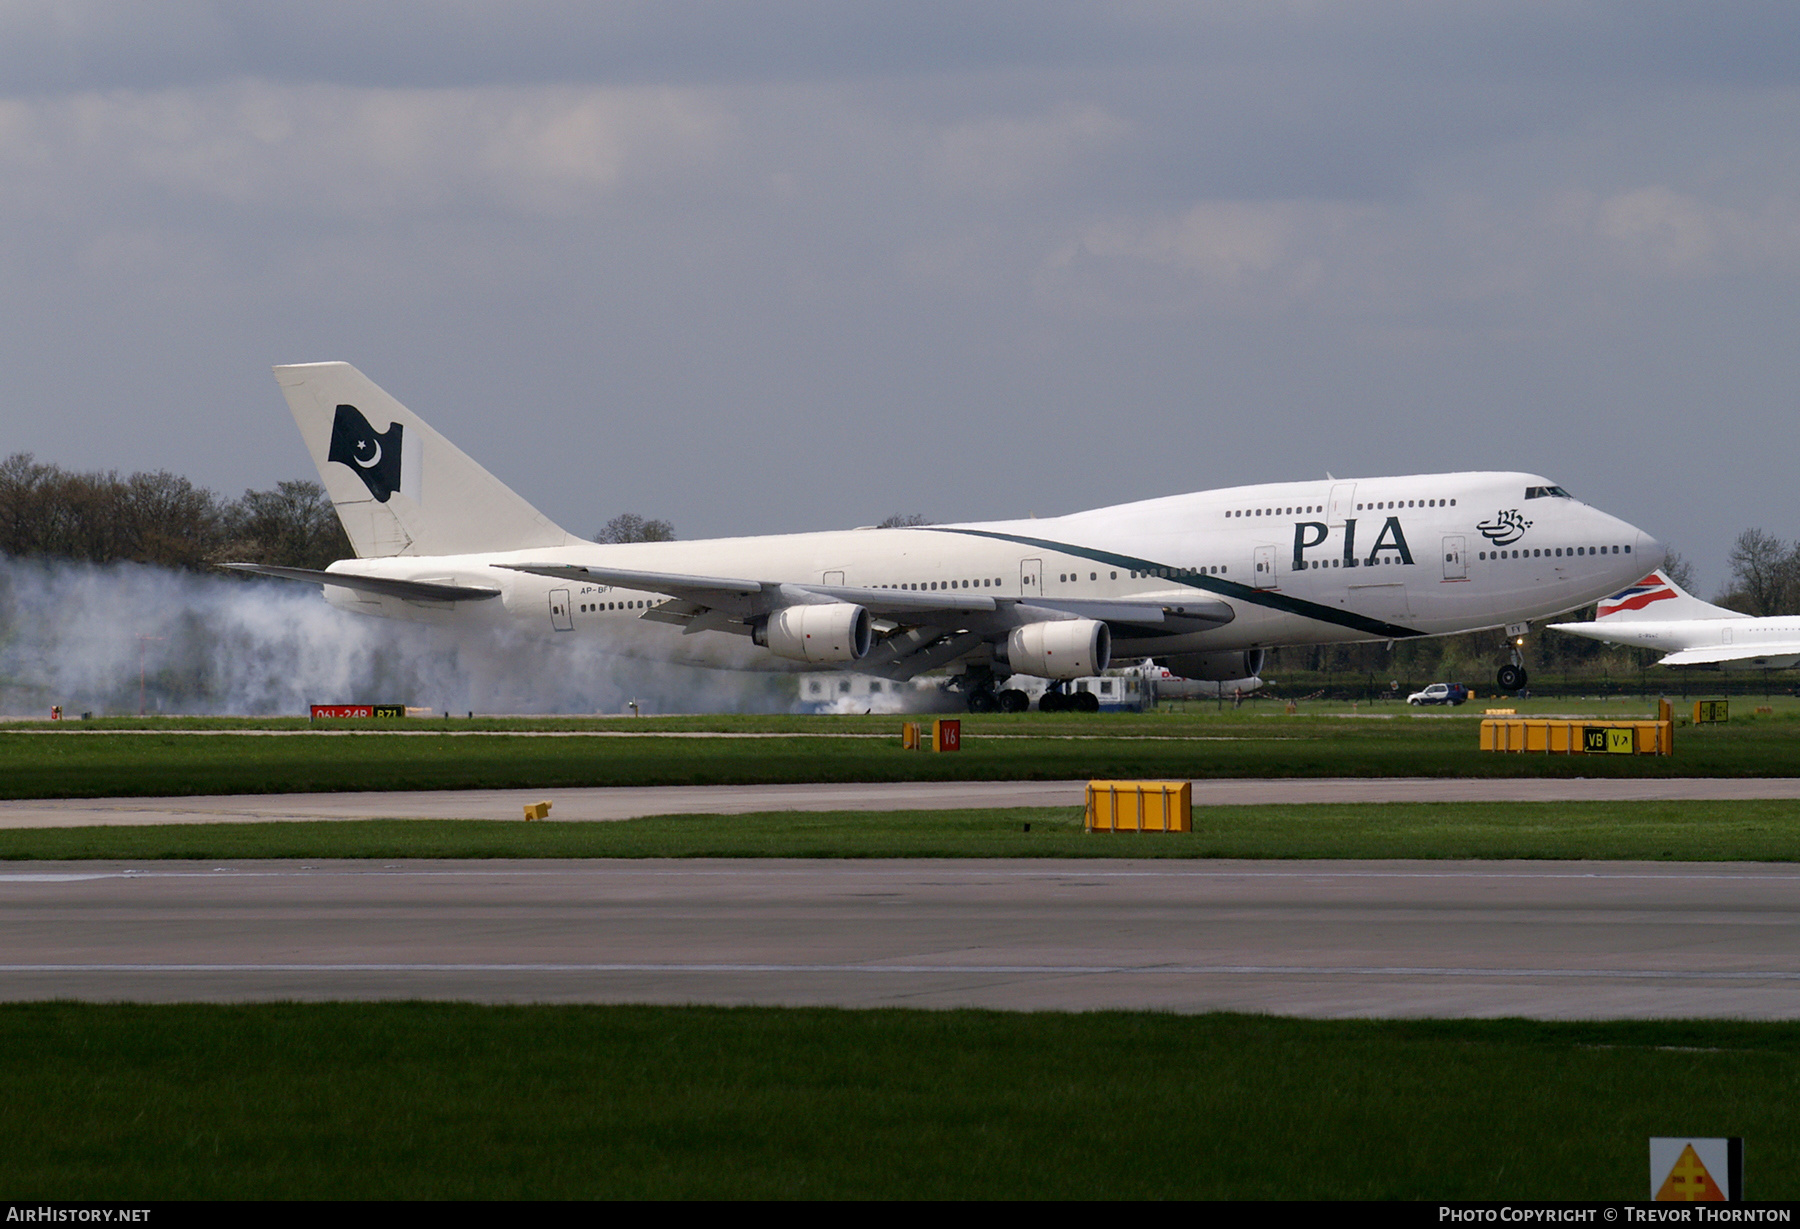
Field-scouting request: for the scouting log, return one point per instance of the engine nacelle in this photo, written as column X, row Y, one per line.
column 834, row 632
column 1214, row 667
column 1064, row 649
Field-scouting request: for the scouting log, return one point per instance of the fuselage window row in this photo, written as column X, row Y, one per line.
column 1315, row 509
column 1180, row 573
column 1559, row 552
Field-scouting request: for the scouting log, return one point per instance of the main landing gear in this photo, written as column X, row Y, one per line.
column 1057, row 700
column 1011, row 700
column 985, row 695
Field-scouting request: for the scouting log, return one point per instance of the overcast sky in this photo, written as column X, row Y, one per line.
column 780, row 266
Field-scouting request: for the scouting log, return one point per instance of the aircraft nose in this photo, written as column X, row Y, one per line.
column 1650, row 553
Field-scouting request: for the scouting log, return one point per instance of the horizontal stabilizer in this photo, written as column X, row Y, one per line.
column 412, row 590
column 1777, row 656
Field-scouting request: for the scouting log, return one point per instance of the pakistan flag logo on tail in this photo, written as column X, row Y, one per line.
column 374, row 457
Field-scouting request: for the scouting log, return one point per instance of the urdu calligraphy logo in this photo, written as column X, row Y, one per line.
column 1507, row 527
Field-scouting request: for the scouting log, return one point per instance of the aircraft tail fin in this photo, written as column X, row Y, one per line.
column 399, row 487
column 1656, row 597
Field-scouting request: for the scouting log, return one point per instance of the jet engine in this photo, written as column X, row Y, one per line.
column 1065, row 649
column 1214, row 667
column 833, row 632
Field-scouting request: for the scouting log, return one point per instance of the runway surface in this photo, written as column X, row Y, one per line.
column 607, row 804
column 1549, row 940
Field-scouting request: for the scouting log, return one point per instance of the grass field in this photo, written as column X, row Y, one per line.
column 1747, row 831
column 448, row 1101
column 101, row 759
column 444, row 1100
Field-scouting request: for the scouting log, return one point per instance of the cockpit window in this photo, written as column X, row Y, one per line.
column 1546, row 492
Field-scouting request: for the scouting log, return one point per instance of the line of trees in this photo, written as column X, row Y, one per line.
column 164, row 519
column 161, row 518
column 1765, row 575
column 630, row 527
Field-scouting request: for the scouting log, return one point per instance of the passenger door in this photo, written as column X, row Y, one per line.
column 1456, row 557
column 1264, row 571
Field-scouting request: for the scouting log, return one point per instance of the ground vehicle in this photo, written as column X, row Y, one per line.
column 1440, row 693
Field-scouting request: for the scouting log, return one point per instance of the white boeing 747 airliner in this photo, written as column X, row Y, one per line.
column 1656, row 613
column 1203, row 583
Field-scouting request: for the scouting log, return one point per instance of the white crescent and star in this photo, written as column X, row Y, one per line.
column 373, row 461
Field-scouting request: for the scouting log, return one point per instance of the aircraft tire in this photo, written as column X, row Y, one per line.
column 1087, row 702
column 1050, row 702
column 983, row 702
column 1012, row 700
column 1510, row 678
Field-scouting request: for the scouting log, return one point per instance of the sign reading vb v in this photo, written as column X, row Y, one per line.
column 1606, row 740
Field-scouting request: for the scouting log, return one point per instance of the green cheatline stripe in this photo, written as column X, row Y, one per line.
column 1209, row 584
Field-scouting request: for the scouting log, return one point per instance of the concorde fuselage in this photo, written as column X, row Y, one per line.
column 1299, row 563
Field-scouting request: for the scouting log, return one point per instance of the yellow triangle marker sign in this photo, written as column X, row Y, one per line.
column 1689, row 1182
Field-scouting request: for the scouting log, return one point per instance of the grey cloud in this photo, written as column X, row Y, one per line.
column 784, row 266
column 53, row 45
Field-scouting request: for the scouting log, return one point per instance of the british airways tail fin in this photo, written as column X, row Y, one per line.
column 1656, row 597
column 399, row 487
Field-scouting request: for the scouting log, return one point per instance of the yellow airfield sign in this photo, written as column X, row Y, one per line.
column 1697, row 1170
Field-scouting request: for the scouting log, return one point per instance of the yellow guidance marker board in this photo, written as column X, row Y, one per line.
column 1697, row 1170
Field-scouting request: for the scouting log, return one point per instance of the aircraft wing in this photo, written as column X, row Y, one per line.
column 758, row 597
column 413, row 590
column 1718, row 654
column 1177, row 617
column 713, row 591
column 748, row 598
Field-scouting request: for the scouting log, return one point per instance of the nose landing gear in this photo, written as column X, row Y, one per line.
column 1512, row 676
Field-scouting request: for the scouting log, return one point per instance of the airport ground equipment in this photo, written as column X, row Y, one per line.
column 1558, row 736
column 1140, row 806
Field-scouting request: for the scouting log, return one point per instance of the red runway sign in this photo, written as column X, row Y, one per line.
column 358, row 710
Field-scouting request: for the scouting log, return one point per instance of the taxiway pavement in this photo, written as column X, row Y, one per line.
column 631, row 803
column 1541, row 939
